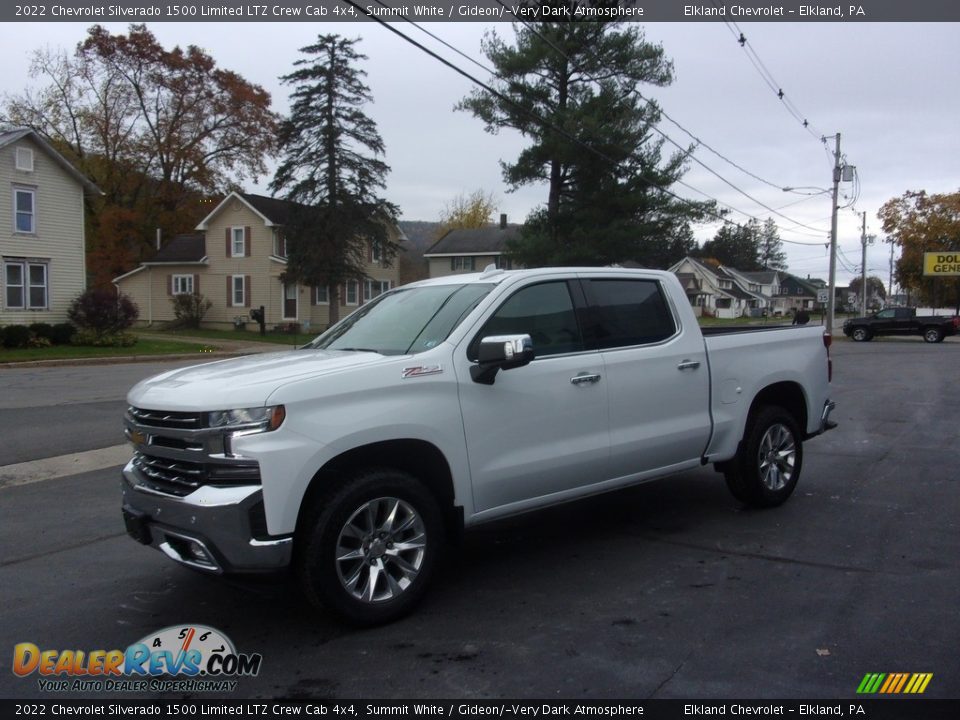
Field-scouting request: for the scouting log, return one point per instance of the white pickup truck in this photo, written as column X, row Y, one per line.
column 451, row 402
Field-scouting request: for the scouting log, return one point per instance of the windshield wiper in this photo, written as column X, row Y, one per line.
column 357, row 350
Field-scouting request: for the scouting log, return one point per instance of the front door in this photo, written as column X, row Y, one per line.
column 541, row 429
column 290, row 293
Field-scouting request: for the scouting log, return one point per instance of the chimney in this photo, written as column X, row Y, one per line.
column 503, row 221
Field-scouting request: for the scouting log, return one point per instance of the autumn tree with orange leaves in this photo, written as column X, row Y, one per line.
column 920, row 223
column 161, row 132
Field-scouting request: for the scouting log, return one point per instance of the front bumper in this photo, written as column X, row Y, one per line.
column 214, row 529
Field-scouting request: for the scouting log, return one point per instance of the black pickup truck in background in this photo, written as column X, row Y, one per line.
column 900, row 321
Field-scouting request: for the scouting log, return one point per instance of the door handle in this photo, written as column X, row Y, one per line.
column 688, row 365
column 584, row 378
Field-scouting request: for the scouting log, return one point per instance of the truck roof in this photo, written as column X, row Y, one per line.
column 496, row 275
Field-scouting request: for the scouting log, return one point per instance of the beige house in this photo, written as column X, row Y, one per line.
column 236, row 260
column 42, row 243
column 471, row 250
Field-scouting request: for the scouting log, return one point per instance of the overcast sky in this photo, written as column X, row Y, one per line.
column 891, row 90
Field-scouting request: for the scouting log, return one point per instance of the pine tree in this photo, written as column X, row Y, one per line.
column 569, row 87
column 772, row 256
column 331, row 168
column 737, row 246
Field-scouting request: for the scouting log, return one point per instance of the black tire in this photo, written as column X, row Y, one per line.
column 932, row 335
column 860, row 334
column 353, row 522
column 769, row 459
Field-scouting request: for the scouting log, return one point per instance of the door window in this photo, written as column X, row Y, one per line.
column 544, row 312
column 628, row 313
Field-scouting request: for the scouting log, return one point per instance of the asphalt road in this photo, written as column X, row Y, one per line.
column 667, row 590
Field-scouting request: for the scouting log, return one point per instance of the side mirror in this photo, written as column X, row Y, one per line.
column 501, row 352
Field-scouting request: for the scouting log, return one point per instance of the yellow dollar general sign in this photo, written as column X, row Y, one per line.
column 894, row 683
column 941, row 263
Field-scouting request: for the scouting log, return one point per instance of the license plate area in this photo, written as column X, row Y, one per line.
column 137, row 526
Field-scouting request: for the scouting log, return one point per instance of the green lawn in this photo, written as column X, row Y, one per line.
column 241, row 336
column 72, row 352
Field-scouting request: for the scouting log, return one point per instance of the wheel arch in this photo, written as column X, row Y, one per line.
column 786, row 394
column 418, row 458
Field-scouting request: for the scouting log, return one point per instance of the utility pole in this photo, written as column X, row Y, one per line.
column 890, row 281
column 863, row 259
column 831, row 301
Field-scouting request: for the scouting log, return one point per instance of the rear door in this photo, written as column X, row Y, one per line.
column 656, row 374
column 540, row 429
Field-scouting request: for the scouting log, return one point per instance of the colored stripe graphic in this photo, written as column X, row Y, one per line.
column 894, row 683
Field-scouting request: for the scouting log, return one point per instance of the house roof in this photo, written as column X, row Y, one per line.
column 9, row 137
column 276, row 210
column 186, row 248
column 762, row 277
column 252, row 202
column 476, row 241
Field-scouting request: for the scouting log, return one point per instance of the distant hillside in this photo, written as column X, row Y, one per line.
column 422, row 234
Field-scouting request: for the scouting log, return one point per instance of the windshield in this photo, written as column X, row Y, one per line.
column 404, row 321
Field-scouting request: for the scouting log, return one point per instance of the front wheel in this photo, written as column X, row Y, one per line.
column 933, row 335
column 367, row 551
column 860, row 334
column 769, row 459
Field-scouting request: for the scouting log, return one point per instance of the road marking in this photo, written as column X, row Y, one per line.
column 35, row 471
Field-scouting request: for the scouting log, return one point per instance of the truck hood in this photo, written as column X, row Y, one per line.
column 240, row 382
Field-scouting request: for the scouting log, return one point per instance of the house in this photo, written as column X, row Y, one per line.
column 471, row 250
column 719, row 293
column 798, row 294
column 236, row 260
column 42, row 242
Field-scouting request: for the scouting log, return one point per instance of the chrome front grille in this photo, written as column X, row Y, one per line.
column 176, row 477
column 163, row 419
column 175, row 453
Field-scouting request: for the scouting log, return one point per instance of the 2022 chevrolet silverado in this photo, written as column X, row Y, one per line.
column 451, row 402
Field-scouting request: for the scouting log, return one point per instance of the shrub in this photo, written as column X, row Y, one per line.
column 38, row 341
column 62, row 333
column 42, row 330
column 103, row 312
column 92, row 338
column 189, row 309
column 16, row 336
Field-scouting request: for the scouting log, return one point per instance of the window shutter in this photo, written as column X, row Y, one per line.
column 246, row 286
column 229, row 244
column 169, row 284
column 313, row 295
column 229, row 291
column 370, row 251
column 196, row 284
column 247, row 240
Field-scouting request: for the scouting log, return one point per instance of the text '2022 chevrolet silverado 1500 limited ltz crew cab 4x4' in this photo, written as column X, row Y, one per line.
column 454, row 401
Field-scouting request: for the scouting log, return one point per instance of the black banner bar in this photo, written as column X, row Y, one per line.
column 900, row 708
column 98, row 11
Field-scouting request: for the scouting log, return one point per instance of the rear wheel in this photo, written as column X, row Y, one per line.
column 368, row 550
column 768, row 462
column 933, row 335
column 860, row 334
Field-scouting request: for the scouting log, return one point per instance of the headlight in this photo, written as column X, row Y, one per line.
column 258, row 419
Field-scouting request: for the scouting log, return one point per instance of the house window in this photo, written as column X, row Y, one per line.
column 352, row 291
column 24, row 202
column 461, row 263
column 24, row 159
column 322, row 294
column 725, row 285
column 375, row 254
column 183, row 284
column 26, row 285
column 279, row 244
column 238, row 244
column 375, row 288
column 239, row 294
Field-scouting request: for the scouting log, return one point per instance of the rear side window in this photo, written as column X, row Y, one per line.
column 628, row 312
column 544, row 312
